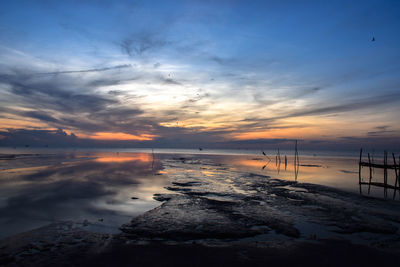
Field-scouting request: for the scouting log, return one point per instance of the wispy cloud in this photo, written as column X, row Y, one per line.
column 85, row 71
column 140, row 43
column 359, row 104
column 381, row 131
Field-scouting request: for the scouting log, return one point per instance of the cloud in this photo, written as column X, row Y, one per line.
column 70, row 103
column 365, row 103
column 24, row 137
column 42, row 116
column 224, row 61
column 381, row 131
column 140, row 43
column 263, row 141
column 88, row 70
column 170, row 81
column 59, row 94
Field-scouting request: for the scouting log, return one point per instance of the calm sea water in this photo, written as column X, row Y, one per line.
column 105, row 188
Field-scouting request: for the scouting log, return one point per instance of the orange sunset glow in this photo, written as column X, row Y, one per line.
column 142, row 157
column 121, row 136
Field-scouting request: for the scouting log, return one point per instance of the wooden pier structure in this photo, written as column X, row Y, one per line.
column 386, row 167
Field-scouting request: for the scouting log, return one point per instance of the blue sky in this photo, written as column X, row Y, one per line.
column 202, row 72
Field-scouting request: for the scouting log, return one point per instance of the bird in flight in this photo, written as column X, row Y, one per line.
column 373, row 39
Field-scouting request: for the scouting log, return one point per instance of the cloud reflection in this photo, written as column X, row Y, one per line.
column 79, row 190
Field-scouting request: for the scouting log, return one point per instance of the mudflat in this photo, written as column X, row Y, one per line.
column 216, row 215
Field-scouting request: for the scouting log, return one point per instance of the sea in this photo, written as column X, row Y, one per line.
column 105, row 188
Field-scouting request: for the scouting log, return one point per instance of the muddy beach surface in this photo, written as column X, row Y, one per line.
column 213, row 214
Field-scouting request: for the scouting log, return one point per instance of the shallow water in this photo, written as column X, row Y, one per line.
column 38, row 187
column 95, row 188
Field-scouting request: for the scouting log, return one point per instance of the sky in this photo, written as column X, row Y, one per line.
column 215, row 74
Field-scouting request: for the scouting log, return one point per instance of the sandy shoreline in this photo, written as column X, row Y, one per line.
column 218, row 216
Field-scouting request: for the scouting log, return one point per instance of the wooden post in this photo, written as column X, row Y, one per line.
column 370, row 173
column 397, row 175
column 279, row 157
column 296, row 161
column 398, row 166
column 152, row 162
column 359, row 168
column 373, row 161
column 385, row 174
column 285, row 162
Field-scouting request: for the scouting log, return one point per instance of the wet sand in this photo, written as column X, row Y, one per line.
column 217, row 215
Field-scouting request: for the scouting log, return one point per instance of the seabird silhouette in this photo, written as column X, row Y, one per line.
column 373, row 39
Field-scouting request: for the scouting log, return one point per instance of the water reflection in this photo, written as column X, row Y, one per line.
column 338, row 172
column 379, row 181
column 97, row 189
column 111, row 188
column 124, row 157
